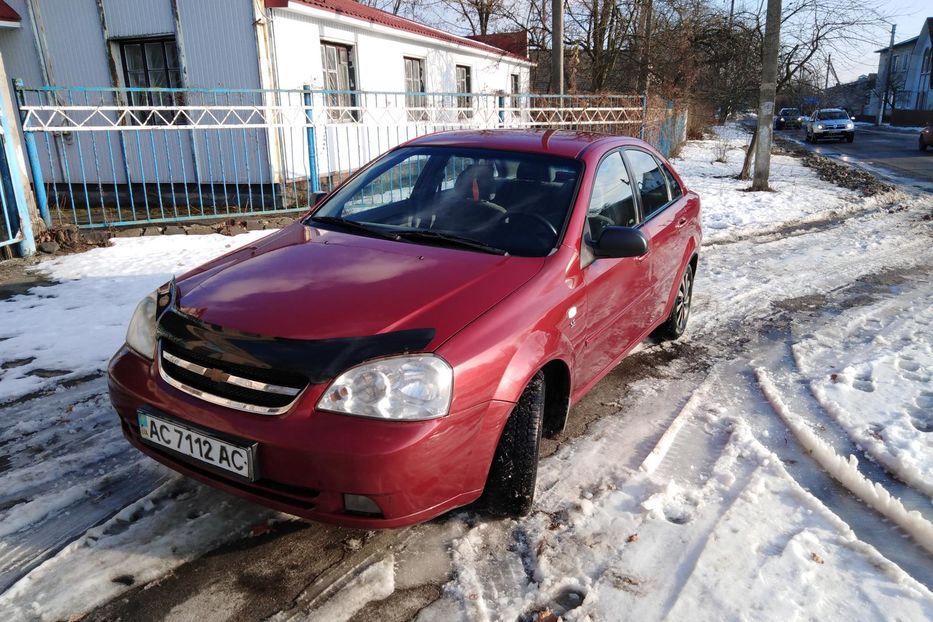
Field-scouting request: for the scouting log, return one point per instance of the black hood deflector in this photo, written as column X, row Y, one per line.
column 318, row 360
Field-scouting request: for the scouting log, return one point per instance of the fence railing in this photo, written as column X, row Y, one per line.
column 106, row 157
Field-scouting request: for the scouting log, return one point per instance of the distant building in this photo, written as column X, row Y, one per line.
column 854, row 96
column 910, row 87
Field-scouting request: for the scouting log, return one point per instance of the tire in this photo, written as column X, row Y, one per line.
column 510, row 487
column 808, row 137
column 850, row 138
column 923, row 145
column 676, row 323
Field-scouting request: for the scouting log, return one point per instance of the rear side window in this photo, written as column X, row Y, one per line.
column 649, row 181
column 676, row 191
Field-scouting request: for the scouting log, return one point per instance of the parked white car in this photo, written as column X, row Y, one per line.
column 830, row 123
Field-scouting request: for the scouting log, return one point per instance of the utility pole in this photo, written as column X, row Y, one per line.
column 829, row 64
column 769, row 63
column 557, row 46
column 644, row 34
column 887, row 79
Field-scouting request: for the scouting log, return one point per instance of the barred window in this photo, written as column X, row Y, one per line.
column 464, row 85
column 415, row 84
column 151, row 64
column 337, row 61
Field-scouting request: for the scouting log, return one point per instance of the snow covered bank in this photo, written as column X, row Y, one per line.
column 72, row 328
column 709, row 167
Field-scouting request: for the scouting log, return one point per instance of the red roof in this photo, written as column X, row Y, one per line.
column 356, row 10
column 7, row 14
column 514, row 42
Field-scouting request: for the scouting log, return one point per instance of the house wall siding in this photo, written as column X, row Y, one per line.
column 137, row 18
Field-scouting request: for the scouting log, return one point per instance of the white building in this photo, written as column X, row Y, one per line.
column 910, row 84
column 246, row 44
column 273, row 45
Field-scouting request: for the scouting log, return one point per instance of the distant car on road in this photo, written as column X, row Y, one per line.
column 788, row 118
column 400, row 350
column 926, row 137
column 830, row 123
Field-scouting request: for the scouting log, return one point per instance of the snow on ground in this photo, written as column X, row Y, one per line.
column 709, row 167
column 873, row 372
column 691, row 503
column 71, row 328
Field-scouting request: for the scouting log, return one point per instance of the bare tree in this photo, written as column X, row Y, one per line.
column 405, row 8
column 602, row 30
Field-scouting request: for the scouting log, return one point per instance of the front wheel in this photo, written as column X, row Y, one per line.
column 510, row 487
column 676, row 323
column 923, row 145
column 850, row 137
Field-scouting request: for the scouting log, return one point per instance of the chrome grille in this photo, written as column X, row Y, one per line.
column 212, row 383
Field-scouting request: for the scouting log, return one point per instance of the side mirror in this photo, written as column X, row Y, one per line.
column 318, row 197
column 618, row 242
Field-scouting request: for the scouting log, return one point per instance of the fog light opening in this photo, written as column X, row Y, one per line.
column 360, row 504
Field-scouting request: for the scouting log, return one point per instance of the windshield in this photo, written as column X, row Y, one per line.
column 833, row 114
column 791, row 112
column 475, row 199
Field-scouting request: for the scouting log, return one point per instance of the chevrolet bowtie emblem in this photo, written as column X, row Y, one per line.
column 216, row 375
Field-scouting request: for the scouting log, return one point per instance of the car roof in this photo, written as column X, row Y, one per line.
column 562, row 143
column 830, row 110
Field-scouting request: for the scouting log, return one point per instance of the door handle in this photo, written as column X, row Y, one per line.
column 681, row 222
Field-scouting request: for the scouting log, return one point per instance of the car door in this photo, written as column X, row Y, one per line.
column 663, row 220
column 616, row 289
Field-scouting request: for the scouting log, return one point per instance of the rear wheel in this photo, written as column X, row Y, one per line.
column 510, row 487
column 676, row 322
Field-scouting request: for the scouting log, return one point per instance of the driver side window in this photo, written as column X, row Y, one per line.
column 611, row 201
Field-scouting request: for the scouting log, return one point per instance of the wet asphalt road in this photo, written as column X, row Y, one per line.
column 892, row 154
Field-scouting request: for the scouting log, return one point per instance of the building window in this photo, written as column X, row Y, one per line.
column 151, row 64
column 514, row 84
column 464, row 85
column 415, row 100
column 925, row 68
column 894, row 62
column 337, row 61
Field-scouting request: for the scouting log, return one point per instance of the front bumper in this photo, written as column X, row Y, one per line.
column 308, row 459
column 832, row 132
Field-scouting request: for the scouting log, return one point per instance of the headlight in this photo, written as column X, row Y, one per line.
column 410, row 387
column 819, row 126
column 782, row 118
column 849, row 126
column 141, row 334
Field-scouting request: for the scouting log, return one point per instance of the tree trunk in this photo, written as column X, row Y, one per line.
column 747, row 164
column 769, row 67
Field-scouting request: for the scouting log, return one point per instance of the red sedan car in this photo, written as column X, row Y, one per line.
column 400, row 350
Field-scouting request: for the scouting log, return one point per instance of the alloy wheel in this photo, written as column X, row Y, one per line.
column 682, row 302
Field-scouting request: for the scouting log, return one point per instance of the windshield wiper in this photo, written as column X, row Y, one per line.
column 354, row 225
column 449, row 239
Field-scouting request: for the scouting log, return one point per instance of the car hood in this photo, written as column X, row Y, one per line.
column 310, row 283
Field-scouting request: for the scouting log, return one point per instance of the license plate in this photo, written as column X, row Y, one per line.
column 194, row 444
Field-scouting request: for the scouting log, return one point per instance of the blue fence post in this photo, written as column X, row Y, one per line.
column 314, row 180
column 27, row 245
column 32, row 154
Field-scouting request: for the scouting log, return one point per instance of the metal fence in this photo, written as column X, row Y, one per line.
column 9, row 217
column 107, row 157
